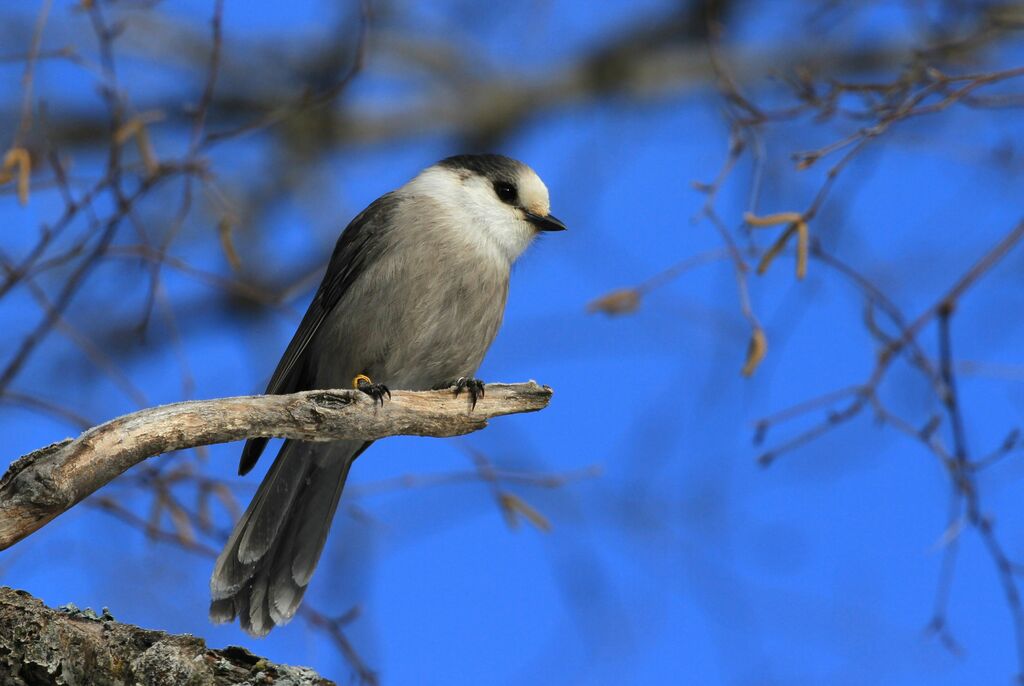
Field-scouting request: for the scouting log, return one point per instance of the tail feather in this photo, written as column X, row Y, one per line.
column 275, row 498
column 250, row 454
column 309, row 534
column 262, row 574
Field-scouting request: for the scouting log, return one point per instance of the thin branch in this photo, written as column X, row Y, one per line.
column 41, row 485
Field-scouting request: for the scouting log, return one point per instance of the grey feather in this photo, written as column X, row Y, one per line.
column 411, row 298
column 357, row 246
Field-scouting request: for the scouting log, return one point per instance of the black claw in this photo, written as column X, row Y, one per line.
column 475, row 388
column 377, row 391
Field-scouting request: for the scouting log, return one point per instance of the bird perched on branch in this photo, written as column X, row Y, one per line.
column 412, row 298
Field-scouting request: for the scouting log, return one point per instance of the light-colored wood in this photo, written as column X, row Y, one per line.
column 44, row 483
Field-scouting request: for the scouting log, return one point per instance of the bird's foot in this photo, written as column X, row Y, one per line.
column 377, row 391
column 474, row 387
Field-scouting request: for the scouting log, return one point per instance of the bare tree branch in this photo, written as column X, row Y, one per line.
column 42, row 484
column 69, row 646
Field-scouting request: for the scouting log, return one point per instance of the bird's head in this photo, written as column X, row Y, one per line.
column 497, row 200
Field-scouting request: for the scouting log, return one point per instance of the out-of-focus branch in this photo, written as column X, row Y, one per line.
column 42, row 484
column 67, row 645
column 865, row 395
column 489, row 104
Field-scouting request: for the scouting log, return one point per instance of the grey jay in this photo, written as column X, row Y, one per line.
column 413, row 296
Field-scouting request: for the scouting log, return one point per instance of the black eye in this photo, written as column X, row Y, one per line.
column 506, row 192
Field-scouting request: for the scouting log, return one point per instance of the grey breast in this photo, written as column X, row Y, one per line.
column 423, row 312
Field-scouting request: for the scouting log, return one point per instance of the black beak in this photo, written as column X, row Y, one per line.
column 548, row 223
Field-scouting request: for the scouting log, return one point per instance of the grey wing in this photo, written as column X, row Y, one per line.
column 360, row 244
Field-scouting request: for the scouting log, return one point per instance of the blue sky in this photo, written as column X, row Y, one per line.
column 682, row 561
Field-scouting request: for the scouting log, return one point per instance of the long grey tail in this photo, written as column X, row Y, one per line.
column 262, row 574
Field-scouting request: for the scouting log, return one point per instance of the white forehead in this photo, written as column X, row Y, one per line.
column 533, row 194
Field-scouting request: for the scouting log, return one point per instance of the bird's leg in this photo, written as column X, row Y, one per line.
column 377, row 391
column 475, row 388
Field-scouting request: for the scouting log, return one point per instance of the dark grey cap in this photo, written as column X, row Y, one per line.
column 490, row 166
